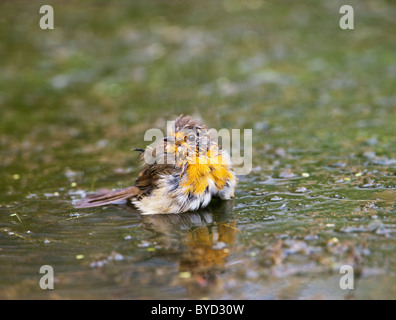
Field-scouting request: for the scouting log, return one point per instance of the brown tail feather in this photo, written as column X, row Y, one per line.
column 110, row 197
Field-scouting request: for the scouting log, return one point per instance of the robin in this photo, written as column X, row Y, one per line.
column 186, row 169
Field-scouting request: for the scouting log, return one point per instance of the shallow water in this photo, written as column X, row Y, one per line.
column 322, row 106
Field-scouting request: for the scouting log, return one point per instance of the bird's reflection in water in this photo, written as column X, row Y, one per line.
column 199, row 241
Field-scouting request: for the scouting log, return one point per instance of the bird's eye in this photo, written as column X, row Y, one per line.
column 191, row 137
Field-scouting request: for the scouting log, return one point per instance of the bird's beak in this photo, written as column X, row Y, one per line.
column 138, row 149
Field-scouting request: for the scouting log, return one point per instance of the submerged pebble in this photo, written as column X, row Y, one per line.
column 287, row 173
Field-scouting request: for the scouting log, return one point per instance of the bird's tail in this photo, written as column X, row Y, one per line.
column 109, row 197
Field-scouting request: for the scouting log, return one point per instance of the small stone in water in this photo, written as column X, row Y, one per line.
column 301, row 190
column 118, row 257
column 98, row 264
column 280, row 152
column 75, row 214
column 144, row 244
column 338, row 164
column 311, row 237
column 368, row 185
column 55, row 194
column 286, row 174
column 251, row 274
